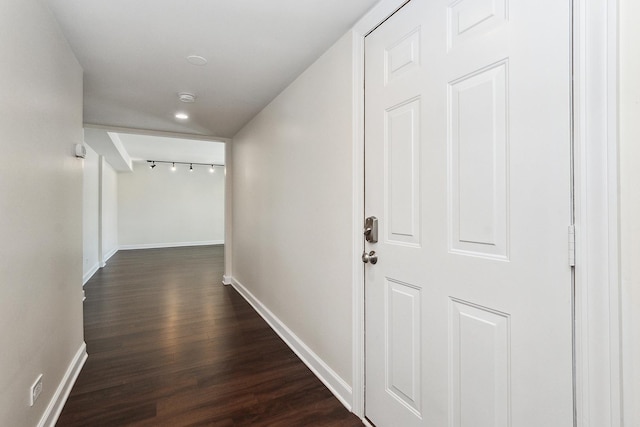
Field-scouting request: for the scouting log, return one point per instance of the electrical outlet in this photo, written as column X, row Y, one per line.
column 36, row 389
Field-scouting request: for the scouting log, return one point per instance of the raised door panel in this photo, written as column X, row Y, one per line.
column 478, row 165
column 472, row 18
column 402, row 56
column 403, row 346
column 402, row 174
column 479, row 364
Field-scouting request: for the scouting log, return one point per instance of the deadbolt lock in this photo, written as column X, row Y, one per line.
column 371, row 229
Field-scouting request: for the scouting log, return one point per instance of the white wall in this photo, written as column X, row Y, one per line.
column 90, row 214
column 292, row 207
column 160, row 208
column 99, row 212
column 40, row 209
column 108, row 210
column 630, row 204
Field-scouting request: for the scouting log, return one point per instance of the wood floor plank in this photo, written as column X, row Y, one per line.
column 170, row 346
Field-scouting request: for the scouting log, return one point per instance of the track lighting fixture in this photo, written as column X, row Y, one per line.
column 212, row 166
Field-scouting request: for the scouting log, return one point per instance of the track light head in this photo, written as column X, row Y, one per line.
column 173, row 166
column 191, row 167
column 153, row 165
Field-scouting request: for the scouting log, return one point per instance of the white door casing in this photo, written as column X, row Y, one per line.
column 468, row 163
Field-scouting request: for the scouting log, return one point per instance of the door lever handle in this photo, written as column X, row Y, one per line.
column 367, row 231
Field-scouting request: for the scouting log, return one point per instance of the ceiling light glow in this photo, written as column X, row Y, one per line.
column 182, row 116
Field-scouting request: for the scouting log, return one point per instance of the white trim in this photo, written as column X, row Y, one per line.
column 100, row 205
column 329, row 377
column 371, row 20
column 366, row 422
column 108, row 255
column 51, row 414
column 89, row 274
column 358, row 217
column 226, row 280
column 228, row 212
column 365, row 25
column 171, row 245
column 613, row 227
column 598, row 396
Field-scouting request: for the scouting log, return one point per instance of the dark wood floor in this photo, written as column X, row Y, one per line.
column 169, row 345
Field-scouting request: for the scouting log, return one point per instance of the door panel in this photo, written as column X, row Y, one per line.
column 402, row 151
column 468, row 19
column 478, row 163
column 403, row 347
column 480, row 371
column 467, row 167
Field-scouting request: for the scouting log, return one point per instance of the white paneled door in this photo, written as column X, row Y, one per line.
column 468, row 170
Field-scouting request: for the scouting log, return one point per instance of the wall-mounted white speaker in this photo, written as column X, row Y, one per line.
column 81, row 151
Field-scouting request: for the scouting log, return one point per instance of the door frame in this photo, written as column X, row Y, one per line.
column 597, row 370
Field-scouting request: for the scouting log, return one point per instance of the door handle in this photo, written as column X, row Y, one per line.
column 370, row 257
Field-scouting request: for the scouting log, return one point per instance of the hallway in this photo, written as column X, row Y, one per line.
column 169, row 345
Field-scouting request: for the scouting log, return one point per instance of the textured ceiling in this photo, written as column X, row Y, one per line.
column 134, row 56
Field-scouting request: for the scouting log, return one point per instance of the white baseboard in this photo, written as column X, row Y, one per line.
column 366, row 422
column 171, row 245
column 108, row 255
column 50, row 416
column 328, row 376
column 226, row 280
column 90, row 274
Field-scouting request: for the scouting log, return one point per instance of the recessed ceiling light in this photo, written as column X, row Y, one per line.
column 182, row 116
column 197, row 60
column 186, row 97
